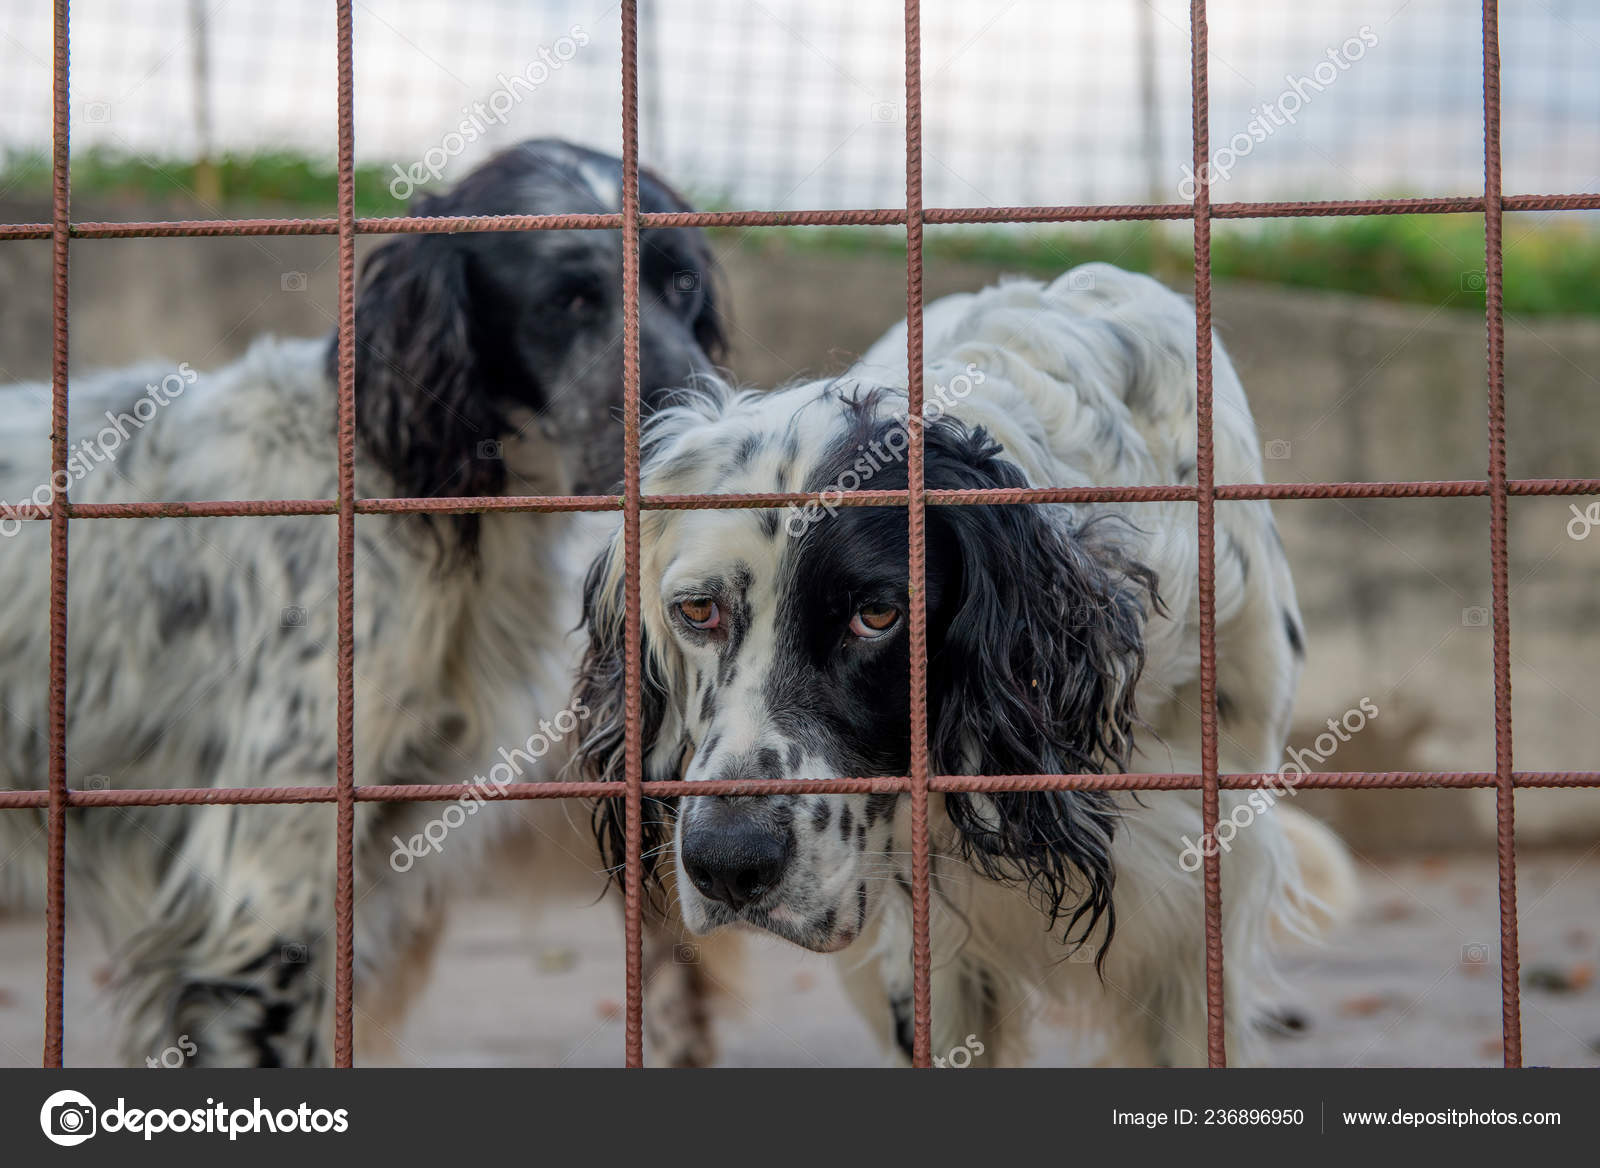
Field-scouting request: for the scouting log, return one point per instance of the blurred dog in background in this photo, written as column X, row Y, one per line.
column 202, row 650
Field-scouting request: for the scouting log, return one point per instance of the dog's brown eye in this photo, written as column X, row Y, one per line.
column 874, row 620
column 700, row 611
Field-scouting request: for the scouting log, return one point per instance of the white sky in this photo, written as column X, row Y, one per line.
column 794, row 103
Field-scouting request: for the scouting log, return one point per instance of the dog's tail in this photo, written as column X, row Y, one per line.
column 1327, row 890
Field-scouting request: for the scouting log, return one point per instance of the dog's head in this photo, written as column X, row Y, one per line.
column 776, row 647
column 491, row 362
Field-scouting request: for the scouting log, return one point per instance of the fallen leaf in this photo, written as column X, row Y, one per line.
column 557, row 960
column 1553, row 979
column 1364, row 1006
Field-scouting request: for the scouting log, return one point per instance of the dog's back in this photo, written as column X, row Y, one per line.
column 160, row 613
column 1091, row 381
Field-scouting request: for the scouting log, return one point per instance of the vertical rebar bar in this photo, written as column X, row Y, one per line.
column 1494, row 315
column 1205, row 479
column 344, row 852
column 56, row 847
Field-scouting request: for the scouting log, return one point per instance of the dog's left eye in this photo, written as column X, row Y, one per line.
column 700, row 612
column 874, row 620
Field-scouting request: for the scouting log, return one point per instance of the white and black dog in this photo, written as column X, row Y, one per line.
column 201, row 651
column 1060, row 639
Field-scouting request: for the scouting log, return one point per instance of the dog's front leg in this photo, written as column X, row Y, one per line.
column 687, row 979
column 976, row 1022
column 234, row 965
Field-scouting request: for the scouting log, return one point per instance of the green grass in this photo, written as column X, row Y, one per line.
column 1423, row 259
column 300, row 185
column 1550, row 261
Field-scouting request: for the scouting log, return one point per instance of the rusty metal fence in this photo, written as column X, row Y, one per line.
column 919, row 785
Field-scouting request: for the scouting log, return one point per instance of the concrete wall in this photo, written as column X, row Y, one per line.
column 1343, row 388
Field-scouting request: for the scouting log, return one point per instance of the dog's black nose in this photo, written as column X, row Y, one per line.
column 734, row 858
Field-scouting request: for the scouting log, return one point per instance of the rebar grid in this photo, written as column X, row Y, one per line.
column 345, row 794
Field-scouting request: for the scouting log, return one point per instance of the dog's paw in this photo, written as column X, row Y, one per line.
column 677, row 1018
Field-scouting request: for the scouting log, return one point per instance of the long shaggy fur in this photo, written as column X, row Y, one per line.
column 1061, row 638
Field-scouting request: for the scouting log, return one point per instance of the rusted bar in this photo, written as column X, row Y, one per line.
column 934, row 497
column 917, row 518
column 1494, row 298
column 880, row 217
column 55, row 916
column 873, row 785
column 633, row 861
column 344, row 851
column 1216, row 1042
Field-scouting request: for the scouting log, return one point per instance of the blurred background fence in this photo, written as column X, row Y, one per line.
column 797, row 103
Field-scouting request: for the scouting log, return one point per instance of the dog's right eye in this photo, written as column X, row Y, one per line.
column 578, row 296
column 700, row 612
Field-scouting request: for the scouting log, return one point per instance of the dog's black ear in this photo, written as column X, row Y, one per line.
column 1038, row 652
column 422, row 411
column 601, row 752
column 709, row 328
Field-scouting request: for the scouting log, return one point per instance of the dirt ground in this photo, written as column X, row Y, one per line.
column 1413, row 981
